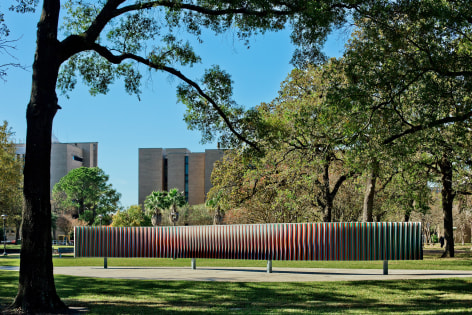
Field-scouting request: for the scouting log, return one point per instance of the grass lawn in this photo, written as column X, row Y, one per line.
column 116, row 296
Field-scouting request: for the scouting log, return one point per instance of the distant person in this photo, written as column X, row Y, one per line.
column 441, row 241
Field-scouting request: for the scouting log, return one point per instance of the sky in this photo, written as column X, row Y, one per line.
column 120, row 123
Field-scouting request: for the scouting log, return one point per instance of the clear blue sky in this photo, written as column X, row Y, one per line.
column 121, row 124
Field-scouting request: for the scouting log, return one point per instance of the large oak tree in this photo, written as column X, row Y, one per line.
column 304, row 162
column 409, row 65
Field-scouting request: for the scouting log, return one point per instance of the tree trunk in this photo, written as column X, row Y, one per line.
column 328, row 213
column 411, row 204
column 447, row 201
column 218, row 216
column 156, row 218
column 406, row 218
column 328, row 202
column 17, row 230
column 36, row 290
column 370, row 193
column 173, row 215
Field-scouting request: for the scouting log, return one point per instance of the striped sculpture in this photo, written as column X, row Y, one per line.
column 278, row 241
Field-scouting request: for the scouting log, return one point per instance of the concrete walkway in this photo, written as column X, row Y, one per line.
column 253, row 274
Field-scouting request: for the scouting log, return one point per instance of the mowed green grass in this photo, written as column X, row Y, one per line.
column 115, row 296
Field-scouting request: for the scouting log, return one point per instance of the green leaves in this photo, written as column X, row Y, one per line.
column 24, row 6
column 98, row 74
column 85, row 192
column 162, row 200
column 208, row 114
column 159, row 201
column 11, row 177
column 155, row 202
column 133, row 216
column 407, row 57
column 175, row 198
column 133, row 31
column 175, row 52
column 79, row 15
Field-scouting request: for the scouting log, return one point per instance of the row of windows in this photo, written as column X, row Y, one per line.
column 166, row 176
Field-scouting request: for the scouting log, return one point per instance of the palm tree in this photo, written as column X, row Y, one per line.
column 175, row 199
column 154, row 203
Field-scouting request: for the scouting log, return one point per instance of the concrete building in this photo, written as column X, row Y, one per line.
column 68, row 156
column 164, row 169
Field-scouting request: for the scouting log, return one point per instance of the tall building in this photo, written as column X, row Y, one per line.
column 67, row 156
column 164, row 169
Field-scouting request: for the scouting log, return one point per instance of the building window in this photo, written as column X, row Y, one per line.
column 186, row 179
column 166, row 174
column 77, row 158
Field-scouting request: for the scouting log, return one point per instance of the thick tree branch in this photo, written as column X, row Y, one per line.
column 285, row 8
column 385, row 184
column 77, row 43
column 434, row 123
column 284, row 157
column 203, row 10
column 320, row 203
column 117, row 59
column 449, row 73
column 340, row 181
column 103, row 18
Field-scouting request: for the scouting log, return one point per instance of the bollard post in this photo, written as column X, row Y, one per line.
column 194, row 263
column 269, row 266
column 385, row 267
column 105, row 263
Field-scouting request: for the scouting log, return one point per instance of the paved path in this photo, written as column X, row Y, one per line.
column 253, row 274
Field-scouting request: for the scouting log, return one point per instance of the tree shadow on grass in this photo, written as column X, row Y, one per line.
column 150, row 297
column 113, row 296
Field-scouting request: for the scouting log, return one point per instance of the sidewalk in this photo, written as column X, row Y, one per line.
column 253, row 274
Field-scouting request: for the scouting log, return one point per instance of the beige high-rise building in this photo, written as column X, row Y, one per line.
column 164, row 169
column 68, row 156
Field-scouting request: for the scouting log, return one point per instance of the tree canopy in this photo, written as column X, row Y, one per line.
column 154, row 203
column 409, row 67
column 412, row 58
column 158, row 201
column 304, row 144
column 11, row 182
column 86, row 193
column 175, row 200
column 133, row 216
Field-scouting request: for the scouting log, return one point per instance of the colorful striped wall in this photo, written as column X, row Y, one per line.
column 285, row 241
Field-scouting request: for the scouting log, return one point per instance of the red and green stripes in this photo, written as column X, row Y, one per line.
column 284, row 241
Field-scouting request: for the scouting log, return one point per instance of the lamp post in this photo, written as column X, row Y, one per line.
column 105, row 263
column 4, row 217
